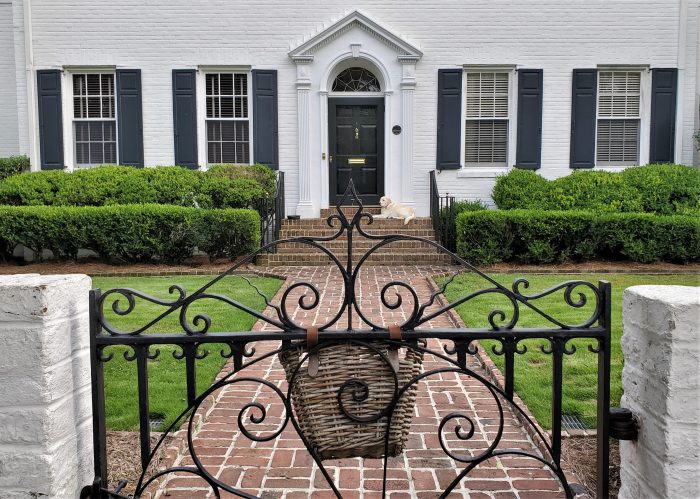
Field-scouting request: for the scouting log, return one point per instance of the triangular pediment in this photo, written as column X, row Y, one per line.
column 356, row 19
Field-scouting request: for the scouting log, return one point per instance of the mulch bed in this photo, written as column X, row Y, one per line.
column 124, row 458
column 579, row 453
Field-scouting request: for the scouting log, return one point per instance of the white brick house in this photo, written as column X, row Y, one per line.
column 383, row 91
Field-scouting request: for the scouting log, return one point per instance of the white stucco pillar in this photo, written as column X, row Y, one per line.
column 45, row 396
column 408, row 85
column 305, row 207
column 661, row 382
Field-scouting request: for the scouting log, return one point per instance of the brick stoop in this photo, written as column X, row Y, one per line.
column 398, row 253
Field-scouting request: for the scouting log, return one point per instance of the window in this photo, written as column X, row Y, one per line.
column 94, row 119
column 356, row 80
column 486, row 124
column 227, row 121
column 617, row 137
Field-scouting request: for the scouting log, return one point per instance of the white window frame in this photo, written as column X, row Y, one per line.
column 644, row 114
column 201, row 80
column 490, row 170
column 69, row 117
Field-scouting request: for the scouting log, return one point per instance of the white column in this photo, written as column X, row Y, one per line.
column 408, row 85
column 305, row 208
column 45, row 397
column 661, row 382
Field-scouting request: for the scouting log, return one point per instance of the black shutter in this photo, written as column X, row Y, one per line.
column 529, row 141
column 583, row 118
column 50, row 119
column 265, row 148
column 129, row 119
column 449, row 115
column 664, row 84
column 185, row 117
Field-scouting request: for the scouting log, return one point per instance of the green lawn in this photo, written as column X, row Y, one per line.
column 533, row 376
column 167, row 375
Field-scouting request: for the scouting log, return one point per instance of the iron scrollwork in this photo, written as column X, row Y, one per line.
column 503, row 327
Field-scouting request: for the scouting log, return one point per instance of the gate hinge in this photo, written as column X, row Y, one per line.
column 623, row 425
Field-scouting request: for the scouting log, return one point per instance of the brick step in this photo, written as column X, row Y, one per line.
column 309, row 223
column 299, row 259
column 351, row 210
column 358, row 245
column 319, row 232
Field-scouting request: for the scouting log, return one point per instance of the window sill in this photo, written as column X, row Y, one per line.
column 613, row 169
column 482, row 171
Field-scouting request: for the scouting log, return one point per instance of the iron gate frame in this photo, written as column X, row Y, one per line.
column 576, row 294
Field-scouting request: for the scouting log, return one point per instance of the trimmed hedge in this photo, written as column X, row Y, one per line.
column 129, row 233
column 533, row 236
column 663, row 189
column 223, row 186
column 14, row 165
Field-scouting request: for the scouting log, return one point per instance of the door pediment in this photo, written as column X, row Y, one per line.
column 404, row 49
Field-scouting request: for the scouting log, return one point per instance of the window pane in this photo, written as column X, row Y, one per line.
column 487, row 95
column 241, row 84
column 227, row 142
column 619, row 94
column 226, row 82
column 226, row 107
column 617, row 141
column 486, row 141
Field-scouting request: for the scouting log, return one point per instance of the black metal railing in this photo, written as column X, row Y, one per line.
column 191, row 332
column 442, row 211
column 272, row 213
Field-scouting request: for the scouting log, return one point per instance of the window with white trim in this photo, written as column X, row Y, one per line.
column 618, row 126
column 486, row 119
column 94, row 119
column 227, row 118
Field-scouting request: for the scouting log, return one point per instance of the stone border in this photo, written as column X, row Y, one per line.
column 498, row 379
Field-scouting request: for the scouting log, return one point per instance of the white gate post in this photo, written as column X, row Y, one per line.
column 45, row 397
column 661, row 382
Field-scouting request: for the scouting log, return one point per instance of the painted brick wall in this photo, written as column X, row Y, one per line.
column 160, row 35
column 9, row 136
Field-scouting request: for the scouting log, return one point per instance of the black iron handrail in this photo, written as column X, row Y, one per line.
column 442, row 212
column 193, row 334
column 272, row 213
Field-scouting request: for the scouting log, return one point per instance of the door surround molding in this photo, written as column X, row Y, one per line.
column 354, row 39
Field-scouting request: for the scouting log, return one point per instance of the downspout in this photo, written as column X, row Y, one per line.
column 31, row 86
column 680, row 64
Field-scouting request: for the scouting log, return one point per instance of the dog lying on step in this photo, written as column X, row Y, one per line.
column 392, row 209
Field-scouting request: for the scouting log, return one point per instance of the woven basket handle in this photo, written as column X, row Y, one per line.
column 311, row 342
column 393, row 353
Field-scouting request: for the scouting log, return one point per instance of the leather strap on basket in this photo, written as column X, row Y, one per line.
column 311, row 342
column 393, row 352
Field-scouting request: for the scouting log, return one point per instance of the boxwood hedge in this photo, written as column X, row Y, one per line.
column 129, row 233
column 13, row 165
column 223, row 186
column 534, row 236
column 663, row 189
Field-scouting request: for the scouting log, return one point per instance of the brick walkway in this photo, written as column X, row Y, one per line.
column 282, row 468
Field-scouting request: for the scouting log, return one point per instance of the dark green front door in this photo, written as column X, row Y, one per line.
column 356, row 145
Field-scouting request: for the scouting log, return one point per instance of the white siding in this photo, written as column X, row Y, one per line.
column 161, row 35
column 9, row 135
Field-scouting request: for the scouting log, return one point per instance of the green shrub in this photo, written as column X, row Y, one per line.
column 663, row 189
column 532, row 236
column 224, row 186
column 14, row 165
column 130, row 233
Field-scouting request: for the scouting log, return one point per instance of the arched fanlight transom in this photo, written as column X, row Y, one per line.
column 356, row 80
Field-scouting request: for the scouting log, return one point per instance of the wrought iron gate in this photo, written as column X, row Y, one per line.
column 504, row 328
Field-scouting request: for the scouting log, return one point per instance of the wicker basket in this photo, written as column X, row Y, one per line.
column 315, row 398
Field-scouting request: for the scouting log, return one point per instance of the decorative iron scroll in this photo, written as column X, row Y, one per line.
column 503, row 328
column 360, row 223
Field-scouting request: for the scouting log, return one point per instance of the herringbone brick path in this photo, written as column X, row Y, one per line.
column 282, row 468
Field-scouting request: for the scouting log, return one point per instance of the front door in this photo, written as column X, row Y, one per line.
column 356, row 145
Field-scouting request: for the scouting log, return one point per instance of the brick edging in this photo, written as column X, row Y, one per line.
column 496, row 377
